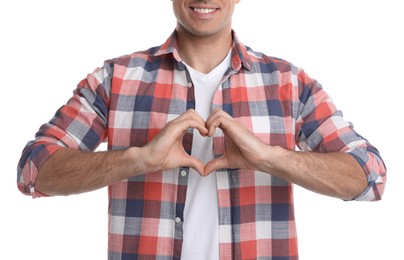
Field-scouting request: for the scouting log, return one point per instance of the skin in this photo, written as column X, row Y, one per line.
column 334, row 174
column 70, row 171
column 204, row 40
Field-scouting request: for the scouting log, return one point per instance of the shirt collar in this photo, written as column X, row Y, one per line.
column 239, row 54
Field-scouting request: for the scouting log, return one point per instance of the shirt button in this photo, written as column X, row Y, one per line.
column 183, row 173
column 189, row 84
column 177, row 220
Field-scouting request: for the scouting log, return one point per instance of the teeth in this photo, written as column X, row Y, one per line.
column 204, row 10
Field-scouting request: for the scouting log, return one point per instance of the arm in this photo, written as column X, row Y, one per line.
column 70, row 171
column 61, row 161
column 335, row 174
column 79, row 125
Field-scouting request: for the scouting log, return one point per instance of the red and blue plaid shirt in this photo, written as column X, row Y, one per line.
column 131, row 98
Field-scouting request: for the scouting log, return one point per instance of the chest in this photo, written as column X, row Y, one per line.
column 143, row 102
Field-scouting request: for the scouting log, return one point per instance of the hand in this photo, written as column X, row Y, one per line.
column 243, row 149
column 166, row 151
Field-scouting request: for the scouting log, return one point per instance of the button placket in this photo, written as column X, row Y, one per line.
column 183, row 174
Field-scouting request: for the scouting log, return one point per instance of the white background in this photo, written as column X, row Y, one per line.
column 354, row 48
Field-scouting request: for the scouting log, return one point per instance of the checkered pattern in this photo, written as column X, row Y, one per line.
column 130, row 99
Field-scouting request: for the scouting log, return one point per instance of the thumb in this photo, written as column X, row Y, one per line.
column 194, row 163
column 215, row 164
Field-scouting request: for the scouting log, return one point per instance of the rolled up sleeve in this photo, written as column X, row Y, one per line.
column 322, row 128
column 373, row 166
column 80, row 124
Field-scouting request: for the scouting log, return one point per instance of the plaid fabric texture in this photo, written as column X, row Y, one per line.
column 128, row 101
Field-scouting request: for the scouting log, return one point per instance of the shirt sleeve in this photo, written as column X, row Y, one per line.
column 79, row 124
column 321, row 127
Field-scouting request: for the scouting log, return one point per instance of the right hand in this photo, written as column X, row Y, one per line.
column 166, row 151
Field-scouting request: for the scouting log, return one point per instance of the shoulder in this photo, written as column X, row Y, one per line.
column 268, row 64
column 135, row 59
column 280, row 70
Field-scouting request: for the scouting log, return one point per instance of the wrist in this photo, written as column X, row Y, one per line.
column 273, row 157
column 139, row 161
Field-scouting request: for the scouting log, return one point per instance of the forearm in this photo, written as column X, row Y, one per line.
column 70, row 171
column 334, row 174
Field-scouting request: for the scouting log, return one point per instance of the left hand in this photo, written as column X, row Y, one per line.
column 243, row 149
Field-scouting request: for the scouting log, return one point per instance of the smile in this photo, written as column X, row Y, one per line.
column 204, row 10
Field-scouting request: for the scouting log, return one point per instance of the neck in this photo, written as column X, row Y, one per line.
column 203, row 53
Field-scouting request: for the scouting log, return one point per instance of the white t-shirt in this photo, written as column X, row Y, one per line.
column 201, row 226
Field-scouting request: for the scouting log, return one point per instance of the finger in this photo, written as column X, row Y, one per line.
column 193, row 114
column 221, row 122
column 191, row 119
column 216, row 164
column 190, row 123
column 217, row 112
column 218, row 119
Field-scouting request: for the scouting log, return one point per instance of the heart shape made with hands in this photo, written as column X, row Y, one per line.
column 242, row 147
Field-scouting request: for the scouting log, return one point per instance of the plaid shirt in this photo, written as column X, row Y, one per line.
column 131, row 98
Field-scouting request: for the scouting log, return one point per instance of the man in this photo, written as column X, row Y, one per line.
column 201, row 134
